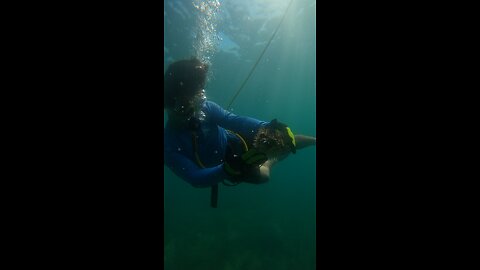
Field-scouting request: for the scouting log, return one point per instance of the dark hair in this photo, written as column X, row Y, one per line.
column 183, row 79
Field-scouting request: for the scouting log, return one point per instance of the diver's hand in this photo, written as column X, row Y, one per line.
column 238, row 166
column 288, row 136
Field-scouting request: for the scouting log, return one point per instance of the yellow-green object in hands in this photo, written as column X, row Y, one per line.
column 245, row 164
column 292, row 137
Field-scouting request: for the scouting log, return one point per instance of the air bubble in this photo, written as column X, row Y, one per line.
column 206, row 42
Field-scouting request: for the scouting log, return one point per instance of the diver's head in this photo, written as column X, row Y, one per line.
column 184, row 94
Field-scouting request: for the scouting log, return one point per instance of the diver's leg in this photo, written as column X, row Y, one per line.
column 261, row 175
column 264, row 175
column 303, row 141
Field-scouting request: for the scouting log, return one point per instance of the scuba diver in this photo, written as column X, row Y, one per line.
column 206, row 145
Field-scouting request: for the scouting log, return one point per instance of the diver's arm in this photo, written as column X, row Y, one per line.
column 194, row 175
column 246, row 126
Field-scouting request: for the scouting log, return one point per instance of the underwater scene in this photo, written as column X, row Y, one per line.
column 267, row 50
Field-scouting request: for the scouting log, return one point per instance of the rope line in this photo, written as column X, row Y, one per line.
column 259, row 58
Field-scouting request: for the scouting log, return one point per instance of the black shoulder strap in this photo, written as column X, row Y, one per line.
column 214, row 189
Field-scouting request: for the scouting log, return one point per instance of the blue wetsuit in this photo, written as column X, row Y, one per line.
column 211, row 145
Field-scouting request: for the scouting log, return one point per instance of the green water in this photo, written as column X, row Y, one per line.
column 269, row 226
